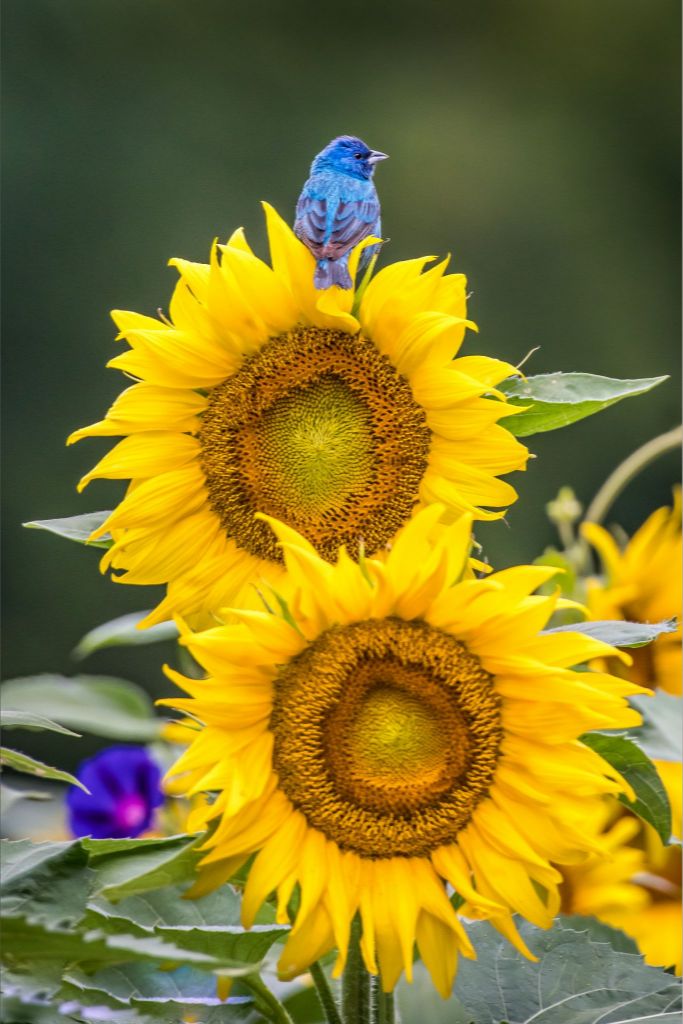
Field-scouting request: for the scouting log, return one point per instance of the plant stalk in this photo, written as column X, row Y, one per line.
column 617, row 481
column 382, row 1006
column 325, row 994
column 355, row 985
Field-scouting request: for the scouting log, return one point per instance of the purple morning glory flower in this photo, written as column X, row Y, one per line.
column 124, row 784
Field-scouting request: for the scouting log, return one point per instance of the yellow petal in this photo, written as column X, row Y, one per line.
column 144, row 455
column 148, row 407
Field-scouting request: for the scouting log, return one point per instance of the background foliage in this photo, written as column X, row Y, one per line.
column 536, row 141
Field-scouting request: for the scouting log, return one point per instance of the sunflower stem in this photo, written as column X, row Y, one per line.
column 629, row 468
column 266, row 1003
column 325, row 995
column 355, row 983
column 382, row 1007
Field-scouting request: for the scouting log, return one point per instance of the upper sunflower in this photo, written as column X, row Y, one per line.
column 261, row 394
column 642, row 583
column 392, row 730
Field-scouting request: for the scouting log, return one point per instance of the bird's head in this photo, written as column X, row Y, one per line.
column 348, row 155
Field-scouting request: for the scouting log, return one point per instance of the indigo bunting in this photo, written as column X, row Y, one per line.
column 338, row 207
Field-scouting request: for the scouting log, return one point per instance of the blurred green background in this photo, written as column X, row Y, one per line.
column 537, row 140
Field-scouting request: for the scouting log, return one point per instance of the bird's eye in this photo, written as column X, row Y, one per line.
column 358, row 156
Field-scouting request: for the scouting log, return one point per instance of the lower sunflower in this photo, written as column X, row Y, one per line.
column 389, row 733
column 337, row 413
column 643, row 583
column 637, row 886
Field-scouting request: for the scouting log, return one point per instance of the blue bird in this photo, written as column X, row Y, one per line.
column 338, row 208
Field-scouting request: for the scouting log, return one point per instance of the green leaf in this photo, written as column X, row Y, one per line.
column 123, row 632
column 597, row 931
column 44, row 883
column 13, row 718
column 620, row 634
column 661, row 734
column 76, row 528
column 21, row 857
column 168, row 909
column 97, row 848
column 19, row 1011
column 576, row 981
column 28, row 941
column 651, row 803
column 29, row 766
column 210, row 924
column 33, row 984
column 554, row 400
column 50, row 921
column 161, row 993
column 95, row 704
column 140, row 869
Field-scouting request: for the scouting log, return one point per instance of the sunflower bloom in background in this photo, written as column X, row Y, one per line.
column 642, row 583
column 261, row 394
column 395, row 727
column 637, row 887
column 657, row 928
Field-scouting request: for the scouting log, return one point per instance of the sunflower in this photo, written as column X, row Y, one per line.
column 604, row 885
column 338, row 414
column 642, row 583
column 382, row 730
column 637, row 887
column 657, row 928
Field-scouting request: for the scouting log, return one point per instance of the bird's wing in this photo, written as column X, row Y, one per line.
column 352, row 221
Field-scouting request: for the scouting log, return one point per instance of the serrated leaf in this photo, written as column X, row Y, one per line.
column 101, row 705
column 651, row 803
column 17, row 1011
column 598, row 931
column 76, row 528
column 14, row 718
column 123, row 632
column 162, row 993
column 235, row 951
column 97, row 848
column 19, row 762
column 661, row 734
column 554, row 400
column 618, row 633
column 21, row 857
column 128, row 872
column 44, row 883
column 168, row 909
column 34, row 983
column 27, row 941
column 576, row 981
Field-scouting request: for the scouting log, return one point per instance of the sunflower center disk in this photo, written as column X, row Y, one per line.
column 387, row 736
column 314, row 447
column 319, row 430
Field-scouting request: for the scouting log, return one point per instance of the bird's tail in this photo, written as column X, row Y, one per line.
column 329, row 272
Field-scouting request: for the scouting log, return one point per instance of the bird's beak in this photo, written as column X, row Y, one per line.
column 376, row 156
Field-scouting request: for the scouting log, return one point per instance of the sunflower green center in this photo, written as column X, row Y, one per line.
column 394, row 736
column 387, row 736
column 315, row 446
column 319, row 430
